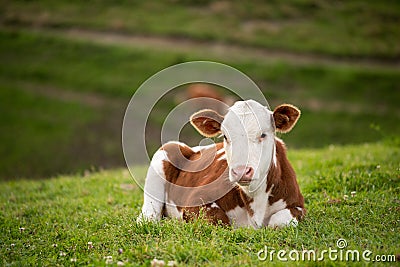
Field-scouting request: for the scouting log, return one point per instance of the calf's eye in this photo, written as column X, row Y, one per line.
column 263, row 135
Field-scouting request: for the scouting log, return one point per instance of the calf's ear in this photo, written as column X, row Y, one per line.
column 285, row 117
column 207, row 122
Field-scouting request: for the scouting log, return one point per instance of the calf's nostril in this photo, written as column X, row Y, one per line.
column 238, row 172
column 243, row 172
column 249, row 172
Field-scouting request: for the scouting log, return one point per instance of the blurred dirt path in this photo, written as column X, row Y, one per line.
column 212, row 50
column 203, row 50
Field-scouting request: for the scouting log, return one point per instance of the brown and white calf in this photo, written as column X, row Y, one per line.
column 244, row 181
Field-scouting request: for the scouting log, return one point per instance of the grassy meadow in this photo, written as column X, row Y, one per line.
column 85, row 220
column 66, row 195
column 347, row 29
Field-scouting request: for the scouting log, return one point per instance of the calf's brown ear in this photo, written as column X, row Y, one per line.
column 207, row 122
column 285, row 117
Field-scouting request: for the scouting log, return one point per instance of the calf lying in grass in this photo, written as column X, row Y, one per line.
column 245, row 181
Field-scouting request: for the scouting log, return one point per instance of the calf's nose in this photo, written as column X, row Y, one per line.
column 243, row 173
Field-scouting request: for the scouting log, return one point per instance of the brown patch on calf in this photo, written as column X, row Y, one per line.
column 235, row 198
column 213, row 215
column 216, row 172
column 217, row 215
column 175, row 153
column 283, row 179
column 210, row 170
column 203, row 160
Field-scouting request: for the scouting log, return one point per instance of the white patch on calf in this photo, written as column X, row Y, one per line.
column 239, row 217
column 196, row 149
column 282, row 218
column 275, row 207
column 221, row 155
column 260, row 206
column 154, row 188
column 214, row 205
column 173, row 212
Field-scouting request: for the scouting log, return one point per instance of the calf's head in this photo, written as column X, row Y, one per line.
column 248, row 129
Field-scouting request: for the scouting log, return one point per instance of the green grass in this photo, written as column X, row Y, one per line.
column 349, row 28
column 35, row 130
column 50, row 222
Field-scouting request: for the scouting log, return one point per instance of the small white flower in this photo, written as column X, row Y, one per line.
column 120, row 251
column 120, row 263
column 109, row 259
column 21, row 229
column 378, row 166
column 157, row 263
column 90, row 245
column 172, row 264
column 353, row 193
column 12, row 245
column 63, row 254
column 345, row 197
column 73, row 260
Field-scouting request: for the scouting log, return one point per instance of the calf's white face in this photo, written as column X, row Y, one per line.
column 249, row 137
column 249, row 141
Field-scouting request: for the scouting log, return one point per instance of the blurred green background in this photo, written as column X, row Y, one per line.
column 69, row 68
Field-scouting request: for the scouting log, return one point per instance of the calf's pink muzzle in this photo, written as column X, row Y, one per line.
column 242, row 174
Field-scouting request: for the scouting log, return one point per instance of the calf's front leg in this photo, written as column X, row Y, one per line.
column 282, row 218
